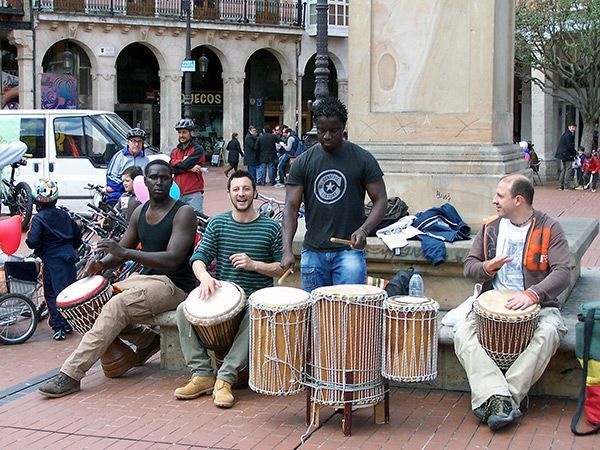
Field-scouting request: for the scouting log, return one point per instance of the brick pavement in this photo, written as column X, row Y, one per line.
column 138, row 410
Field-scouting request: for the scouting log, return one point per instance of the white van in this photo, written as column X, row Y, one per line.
column 72, row 147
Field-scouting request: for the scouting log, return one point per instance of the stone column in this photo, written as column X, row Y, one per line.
column 170, row 107
column 343, row 90
column 289, row 98
column 299, row 107
column 526, row 111
column 23, row 40
column 430, row 88
column 233, row 105
column 543, row 120
column 104, row 91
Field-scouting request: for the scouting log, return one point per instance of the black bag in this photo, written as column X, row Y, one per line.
column 399, row 284
column 396, row 209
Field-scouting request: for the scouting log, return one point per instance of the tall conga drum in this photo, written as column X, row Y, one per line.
column 279, row 327
column 80, row 303
column 410, row 339
column 216, row 319
column 504, row 333
column 346, row 345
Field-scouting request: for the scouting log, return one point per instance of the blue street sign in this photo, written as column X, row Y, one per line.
column 188, row 65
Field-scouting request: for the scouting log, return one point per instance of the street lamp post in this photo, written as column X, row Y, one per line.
column 321, row 66
column 186, row 5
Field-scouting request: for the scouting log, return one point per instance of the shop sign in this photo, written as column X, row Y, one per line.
column 205, row 98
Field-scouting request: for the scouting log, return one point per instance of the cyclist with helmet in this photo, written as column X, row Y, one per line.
column 54, row 236
column 131, row 155
column 187, row 160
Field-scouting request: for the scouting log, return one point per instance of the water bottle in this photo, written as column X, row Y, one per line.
column 415, row 285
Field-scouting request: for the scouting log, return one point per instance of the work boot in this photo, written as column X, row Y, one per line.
column 59, row 386
column 222, row 394
column 194, row 388
column 501, row 412
column 144, row 354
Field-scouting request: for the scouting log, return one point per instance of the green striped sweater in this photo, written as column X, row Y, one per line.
column 260, row 240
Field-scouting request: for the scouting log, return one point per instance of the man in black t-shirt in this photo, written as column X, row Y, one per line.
column 331, row 178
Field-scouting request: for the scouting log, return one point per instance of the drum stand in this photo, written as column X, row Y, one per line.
column 381, row 410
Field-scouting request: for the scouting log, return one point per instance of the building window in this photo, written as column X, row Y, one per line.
column 337, row 17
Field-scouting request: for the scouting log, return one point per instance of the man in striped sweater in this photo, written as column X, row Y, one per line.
column 247, row 247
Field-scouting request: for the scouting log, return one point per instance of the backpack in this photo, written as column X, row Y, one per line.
column 396, row 209
column 298, row 145
column 399, row 284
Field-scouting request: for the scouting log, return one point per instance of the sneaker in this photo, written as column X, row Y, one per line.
column 43, row 311
column 59, row 335
column 280, row 185
column 59, row 386
column 194, row 388
column 593, row 190
column 223, row 397
column 144, row 354
column 501, row 412
column 579, row 188
column 561, row 188
column 68, row 329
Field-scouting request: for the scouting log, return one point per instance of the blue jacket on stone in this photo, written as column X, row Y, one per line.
column 442, row 224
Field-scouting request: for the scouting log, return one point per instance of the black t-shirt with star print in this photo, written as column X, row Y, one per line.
column 334, row 192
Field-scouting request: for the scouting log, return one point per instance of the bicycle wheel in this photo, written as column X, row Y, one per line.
column 23, row 204
column 18, row 319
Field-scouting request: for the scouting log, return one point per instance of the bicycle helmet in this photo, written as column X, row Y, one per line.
column 45, row 191
column 136, row 132
column 185, row 124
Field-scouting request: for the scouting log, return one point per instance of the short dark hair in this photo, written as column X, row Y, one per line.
column 330, row 107
column 133, row 171
column 234, row 135
column 521, row 186
column 250, row 128
column 158, row 162
column 241, row 174
column 572, row 124
column 267, row 128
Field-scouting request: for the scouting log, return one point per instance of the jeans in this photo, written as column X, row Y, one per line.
column 281, row 167
column 272, row 172
column 261, row 174
column 195, row 200
column 332, row 268
column 252, row 171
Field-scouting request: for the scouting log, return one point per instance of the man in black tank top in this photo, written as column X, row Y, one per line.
column 166, row 228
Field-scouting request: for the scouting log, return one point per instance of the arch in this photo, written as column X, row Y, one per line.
column 339, row 66
column 284, row 62
column 263, row 89
column 160, row 58
column 66, row 76
column 138, row 87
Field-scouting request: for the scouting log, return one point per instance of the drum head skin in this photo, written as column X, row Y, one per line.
column 348, row 290
column 81, row 290
column 279, row 298
column 493, row 302
column 226, row 302
column 411, row 303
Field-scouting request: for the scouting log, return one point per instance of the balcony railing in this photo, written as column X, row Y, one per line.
column 12, row 7
column 274, row 12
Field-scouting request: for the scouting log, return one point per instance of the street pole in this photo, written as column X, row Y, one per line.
column 321, row 67
column 187, row 76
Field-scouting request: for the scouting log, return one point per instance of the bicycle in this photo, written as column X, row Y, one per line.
column 22, row 307
column 17, row 197
column 273, row 208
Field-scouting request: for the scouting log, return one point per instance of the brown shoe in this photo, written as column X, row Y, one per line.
column 222, row 394
column 195, row 388
column 144, row 354
column 59, row 386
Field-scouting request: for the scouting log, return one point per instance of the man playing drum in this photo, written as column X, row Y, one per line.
column 524, row 250
column 247, row 247
column 331, row 178
column 166, row 229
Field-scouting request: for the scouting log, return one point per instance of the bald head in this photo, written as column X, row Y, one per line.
column 519, row 184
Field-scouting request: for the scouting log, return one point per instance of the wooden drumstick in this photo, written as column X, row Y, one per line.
column 340, row 241
column 285, row 275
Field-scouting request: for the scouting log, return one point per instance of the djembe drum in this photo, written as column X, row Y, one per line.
column 503, row 333
column 80, row 303
column 279, row 326
column 346, row 345
column 216, row 319
column 410, row 343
